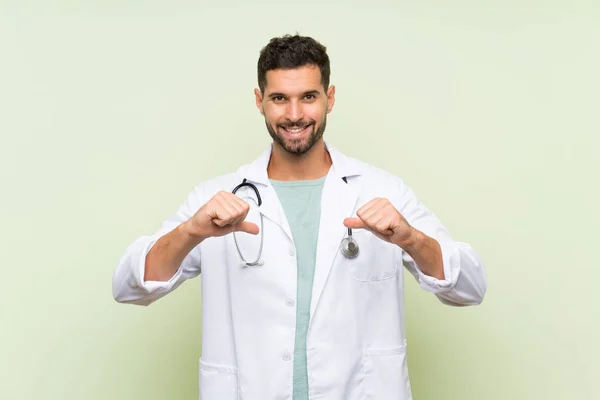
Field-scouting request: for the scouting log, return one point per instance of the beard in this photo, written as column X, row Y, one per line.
column 301, row 145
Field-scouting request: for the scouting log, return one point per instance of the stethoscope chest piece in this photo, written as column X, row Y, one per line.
column 349, row 247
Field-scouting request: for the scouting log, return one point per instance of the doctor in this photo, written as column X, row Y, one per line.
column 308, row 321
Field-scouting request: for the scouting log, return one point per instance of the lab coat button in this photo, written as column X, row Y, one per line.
column 287, row 356
column 292, row 252
column 290, row 302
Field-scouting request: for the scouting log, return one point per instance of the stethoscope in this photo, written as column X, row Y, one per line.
column 348, row 246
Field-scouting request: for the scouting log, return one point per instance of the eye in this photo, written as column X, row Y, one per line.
column 309, row 96
column 278, row 98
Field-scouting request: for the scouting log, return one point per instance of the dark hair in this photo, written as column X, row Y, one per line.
column 292, row 52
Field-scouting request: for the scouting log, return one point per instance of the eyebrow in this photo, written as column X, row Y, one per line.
column 310, row 92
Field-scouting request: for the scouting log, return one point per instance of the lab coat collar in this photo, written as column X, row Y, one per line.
column 342, row 166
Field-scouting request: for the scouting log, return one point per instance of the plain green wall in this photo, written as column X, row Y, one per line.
column 111, row 111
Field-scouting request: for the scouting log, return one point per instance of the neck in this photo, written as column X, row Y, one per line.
column 313, row 164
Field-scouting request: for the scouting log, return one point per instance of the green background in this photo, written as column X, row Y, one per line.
column 111, row 111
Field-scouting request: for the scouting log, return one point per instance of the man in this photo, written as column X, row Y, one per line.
column 320, row 315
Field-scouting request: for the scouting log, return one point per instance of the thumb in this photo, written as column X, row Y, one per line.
column 354, row 223
column 248, row 227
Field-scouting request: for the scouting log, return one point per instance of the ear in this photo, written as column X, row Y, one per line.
column 259, row 98
column 330, row 98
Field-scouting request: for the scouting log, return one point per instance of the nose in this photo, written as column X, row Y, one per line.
column 294, row 111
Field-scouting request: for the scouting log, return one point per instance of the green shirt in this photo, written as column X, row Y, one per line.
column 301, row 201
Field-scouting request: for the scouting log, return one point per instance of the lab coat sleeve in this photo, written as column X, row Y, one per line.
column 464, row 282
column 128, row 278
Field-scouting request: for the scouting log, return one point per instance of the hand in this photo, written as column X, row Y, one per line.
column 222, row 214
column 381, row 218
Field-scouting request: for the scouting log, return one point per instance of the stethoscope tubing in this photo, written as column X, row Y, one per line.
column 348, row 246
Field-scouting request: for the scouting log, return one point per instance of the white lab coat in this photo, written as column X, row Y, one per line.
column 356, row 343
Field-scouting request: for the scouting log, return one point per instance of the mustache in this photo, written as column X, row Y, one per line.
column 296, row 125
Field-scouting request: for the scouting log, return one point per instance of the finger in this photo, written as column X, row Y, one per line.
column 378, row 218
column 248, row 227
column 369, row 212
column 354, row 223
column 218, row 215
column 244, row 199
column 383, row 223
column 242, row 207
column 226, row 212
column 221, row 223
column 366, row 207
column 232, row 201
column 217, row 208
column 237, row 199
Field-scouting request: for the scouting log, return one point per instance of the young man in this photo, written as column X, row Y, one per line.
column 320, row 314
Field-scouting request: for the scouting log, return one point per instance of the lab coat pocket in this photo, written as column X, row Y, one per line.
column 386, row 374
column 376, row 258
column 218, row 382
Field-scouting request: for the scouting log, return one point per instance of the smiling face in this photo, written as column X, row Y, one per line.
column 295, row 105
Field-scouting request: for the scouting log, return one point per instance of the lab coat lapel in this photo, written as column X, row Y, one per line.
column 271, row 208
column 338, row 202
